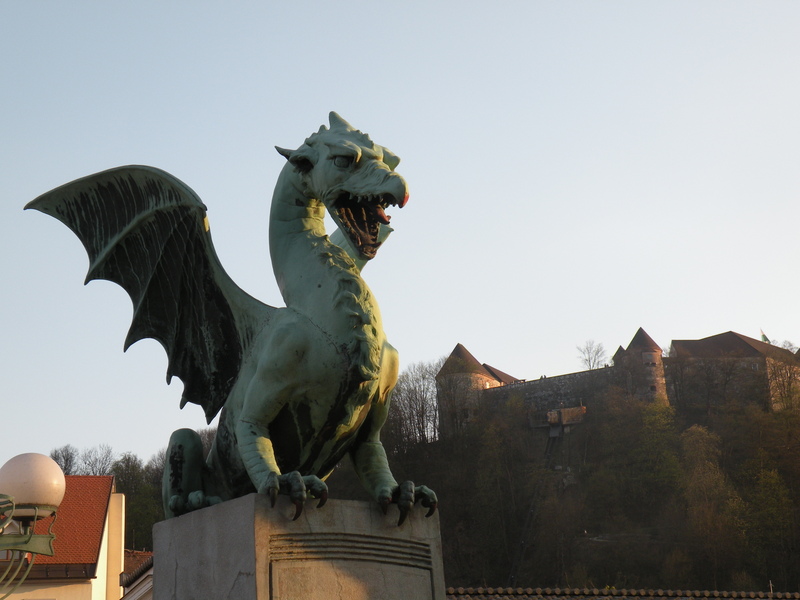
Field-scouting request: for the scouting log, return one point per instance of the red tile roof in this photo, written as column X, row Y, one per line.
column 135, row 559
column 80, row 521
column 728, row 344
column 137, row 563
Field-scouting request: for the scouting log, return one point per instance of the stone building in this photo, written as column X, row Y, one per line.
column 463, row 383
column 720, row 370
column 640, row 368
column 460, row 382
column 732, row 369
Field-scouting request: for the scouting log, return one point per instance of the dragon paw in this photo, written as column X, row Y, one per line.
column 194, row 501
column 405, row 496
column 298, row 487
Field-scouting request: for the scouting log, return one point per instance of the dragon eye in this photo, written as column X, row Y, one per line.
column 343, row 162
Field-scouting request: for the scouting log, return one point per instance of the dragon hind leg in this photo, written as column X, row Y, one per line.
column 183, row 486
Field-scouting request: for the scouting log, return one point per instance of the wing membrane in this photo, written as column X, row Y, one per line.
column 147, row 231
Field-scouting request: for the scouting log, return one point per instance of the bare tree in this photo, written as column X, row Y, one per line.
column 98, row 460
column 154, row 469
column 414, row 417
column 783, row 377
column 207, row 435
column 592, row 354
column 67, row 458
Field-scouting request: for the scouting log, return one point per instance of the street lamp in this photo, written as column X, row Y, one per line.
column 32, row 487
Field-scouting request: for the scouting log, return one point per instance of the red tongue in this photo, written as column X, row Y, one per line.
column 382, row 216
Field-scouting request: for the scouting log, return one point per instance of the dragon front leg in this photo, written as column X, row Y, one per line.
column 372, row 467
column 258, row 455
column 270, row 385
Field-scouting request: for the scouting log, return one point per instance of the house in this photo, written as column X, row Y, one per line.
column 89, row 529
column 137, row 578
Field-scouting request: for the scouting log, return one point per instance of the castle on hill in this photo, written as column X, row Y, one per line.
column 696, row 375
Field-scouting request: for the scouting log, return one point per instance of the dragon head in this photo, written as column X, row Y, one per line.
column 353, row 177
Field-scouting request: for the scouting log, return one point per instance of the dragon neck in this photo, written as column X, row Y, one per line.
column 318, row 278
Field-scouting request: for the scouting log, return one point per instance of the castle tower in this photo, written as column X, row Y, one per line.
column 459, row 384
column 643, row 367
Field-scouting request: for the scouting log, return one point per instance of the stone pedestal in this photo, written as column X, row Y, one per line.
column 245, row 550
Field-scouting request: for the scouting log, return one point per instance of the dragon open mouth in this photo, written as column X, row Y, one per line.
column 360, row 218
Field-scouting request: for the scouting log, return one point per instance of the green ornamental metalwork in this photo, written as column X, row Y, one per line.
column 298, row 387
column 19, row 550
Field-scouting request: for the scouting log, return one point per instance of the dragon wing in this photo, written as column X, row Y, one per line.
column 148, row 232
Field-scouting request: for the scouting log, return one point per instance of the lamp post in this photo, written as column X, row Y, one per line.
column 31, row 488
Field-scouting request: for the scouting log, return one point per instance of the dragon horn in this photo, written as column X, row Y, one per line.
column 338, row 122
column 285, row 153
column 304, row 158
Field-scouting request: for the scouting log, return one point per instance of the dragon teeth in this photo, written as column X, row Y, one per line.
column 377, row 199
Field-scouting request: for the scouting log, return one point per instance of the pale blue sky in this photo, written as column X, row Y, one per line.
column 577, row 170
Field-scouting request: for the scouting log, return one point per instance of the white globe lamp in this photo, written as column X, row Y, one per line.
column 36, row 484
column 31, row 488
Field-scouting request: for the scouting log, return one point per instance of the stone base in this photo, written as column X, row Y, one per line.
column 244, row 550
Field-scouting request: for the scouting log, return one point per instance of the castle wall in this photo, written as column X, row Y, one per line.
column 686, row 383
column 707, row 384
column 562, row 391
column 458, row 397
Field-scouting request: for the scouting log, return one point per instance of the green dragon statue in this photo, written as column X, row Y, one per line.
column 299, row 387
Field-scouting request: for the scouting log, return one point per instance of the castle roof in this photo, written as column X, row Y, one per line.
column 728, row 344
column 461, row 361
column 618, row 355
column 504, row 378
column 642, row 341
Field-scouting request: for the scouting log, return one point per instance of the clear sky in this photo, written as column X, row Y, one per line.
column 577, row 170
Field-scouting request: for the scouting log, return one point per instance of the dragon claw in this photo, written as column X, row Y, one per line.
column 298, row 487
column 406, row 495
column 384, row 504
column 177, row 505
column 403, row 515
column 428, row 499
column 298, row 510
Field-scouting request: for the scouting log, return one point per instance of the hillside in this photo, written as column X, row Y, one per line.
column 637, row 496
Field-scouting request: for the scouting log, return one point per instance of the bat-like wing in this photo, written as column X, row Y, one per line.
column 147, row 231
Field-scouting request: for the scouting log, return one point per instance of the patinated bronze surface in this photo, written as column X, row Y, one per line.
column 299, row 387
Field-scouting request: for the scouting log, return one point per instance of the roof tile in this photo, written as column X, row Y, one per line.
column 80, row 521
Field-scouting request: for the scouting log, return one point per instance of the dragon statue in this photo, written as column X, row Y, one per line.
column 299, row 387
